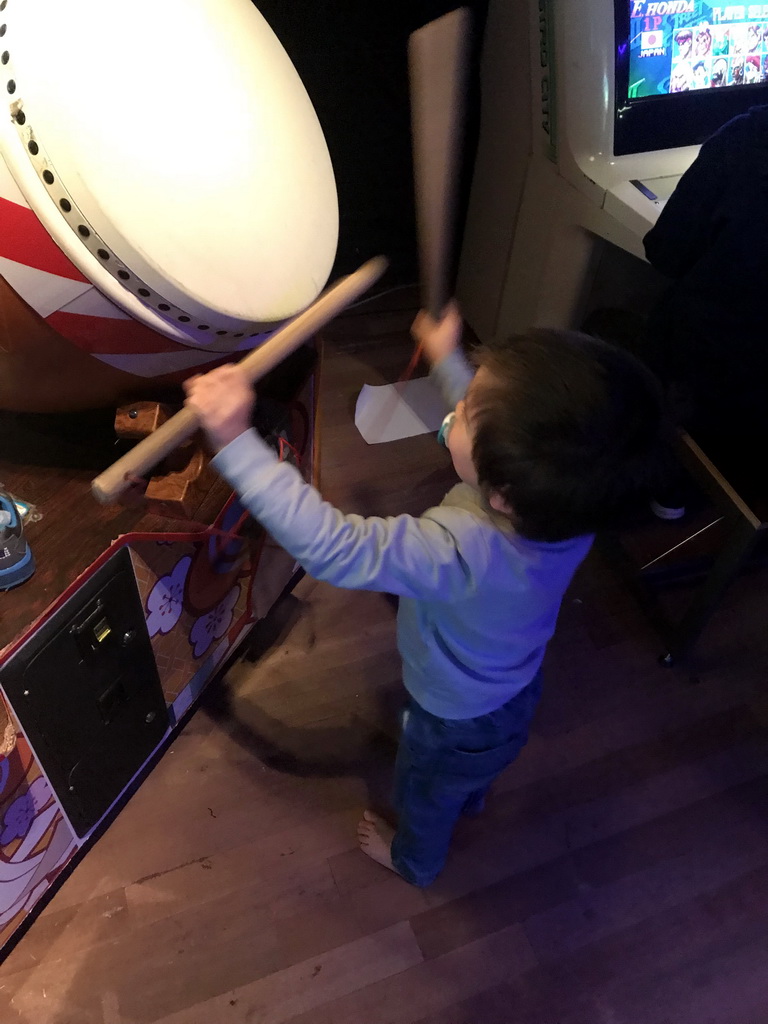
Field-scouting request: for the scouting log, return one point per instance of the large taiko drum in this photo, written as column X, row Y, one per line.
column 166, row 195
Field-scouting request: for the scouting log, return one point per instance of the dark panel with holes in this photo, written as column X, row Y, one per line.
column 86, row 691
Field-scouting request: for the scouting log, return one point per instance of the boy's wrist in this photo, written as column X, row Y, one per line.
column 440, row 354
column 221, row 440
column 446, row 357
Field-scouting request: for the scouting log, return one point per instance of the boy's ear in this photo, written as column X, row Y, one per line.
column 500, row 504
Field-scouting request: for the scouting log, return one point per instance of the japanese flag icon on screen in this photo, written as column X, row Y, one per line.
column 651, row 40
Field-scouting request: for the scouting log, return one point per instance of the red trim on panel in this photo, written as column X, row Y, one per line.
column 126, row 539
column 205, row 532
column 25, row 240
column 85, row 575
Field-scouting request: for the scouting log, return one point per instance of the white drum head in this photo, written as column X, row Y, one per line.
column 172, row 152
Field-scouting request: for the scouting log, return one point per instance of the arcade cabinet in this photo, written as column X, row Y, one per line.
column 166, row 202
column 591, row 111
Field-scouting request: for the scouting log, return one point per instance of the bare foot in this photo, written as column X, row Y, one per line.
column 375, row 837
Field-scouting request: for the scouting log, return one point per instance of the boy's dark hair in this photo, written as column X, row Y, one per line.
column 572, row 432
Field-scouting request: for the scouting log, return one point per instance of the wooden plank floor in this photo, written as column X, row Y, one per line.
column 618, row 876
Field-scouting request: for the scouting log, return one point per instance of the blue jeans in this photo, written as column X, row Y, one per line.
column 444, row 767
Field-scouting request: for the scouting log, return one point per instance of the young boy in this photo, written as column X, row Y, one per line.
column 555, row 436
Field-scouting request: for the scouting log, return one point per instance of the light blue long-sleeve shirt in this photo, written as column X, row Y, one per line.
column 478, row 602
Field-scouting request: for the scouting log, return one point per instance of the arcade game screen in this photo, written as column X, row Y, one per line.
column 686, row 45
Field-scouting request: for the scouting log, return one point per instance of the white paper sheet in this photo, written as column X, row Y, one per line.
column 393, row 411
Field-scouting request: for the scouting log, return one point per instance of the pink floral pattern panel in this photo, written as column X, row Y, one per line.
column 190, row 604
column 201, row 591
column 36, row 841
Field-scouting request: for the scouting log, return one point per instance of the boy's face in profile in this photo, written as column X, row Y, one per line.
column 460, row 439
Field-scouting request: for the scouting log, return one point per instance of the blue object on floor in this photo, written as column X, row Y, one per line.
column 16, row 561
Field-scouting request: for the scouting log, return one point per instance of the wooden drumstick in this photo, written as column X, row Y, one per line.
column 437, row 58
column 114, row 481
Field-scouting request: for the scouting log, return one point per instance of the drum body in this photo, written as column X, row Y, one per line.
column 165, row 203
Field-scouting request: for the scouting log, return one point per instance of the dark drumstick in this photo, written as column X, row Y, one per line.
column 438, row 57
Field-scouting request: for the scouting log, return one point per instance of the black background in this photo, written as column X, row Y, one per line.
column 352, row 58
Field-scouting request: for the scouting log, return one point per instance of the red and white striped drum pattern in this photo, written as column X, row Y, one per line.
column 46, row 279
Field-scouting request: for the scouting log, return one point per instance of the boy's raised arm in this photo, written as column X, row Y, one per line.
column 440, row 343
column 400, row 555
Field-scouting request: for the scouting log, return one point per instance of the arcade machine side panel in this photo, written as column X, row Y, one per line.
column 201, row 593
column 531, row 210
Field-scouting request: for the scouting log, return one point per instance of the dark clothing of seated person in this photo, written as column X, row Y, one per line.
column 708, row 336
